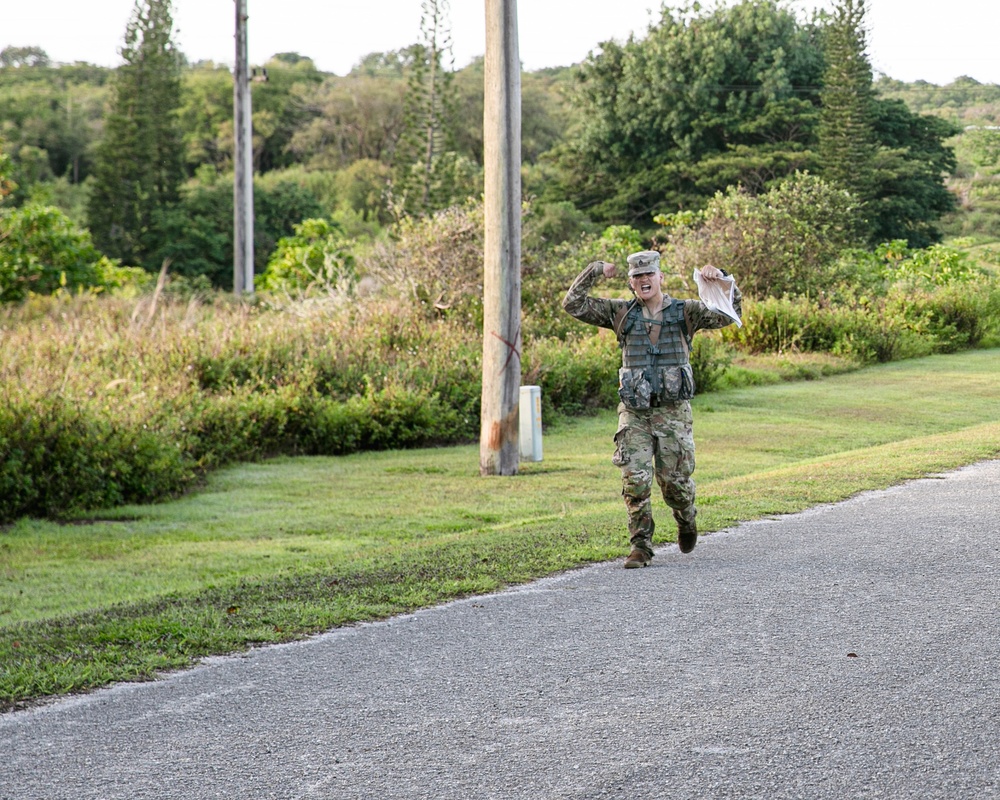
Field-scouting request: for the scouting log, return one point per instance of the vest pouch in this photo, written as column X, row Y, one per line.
column 634, row 388
column 676, row 383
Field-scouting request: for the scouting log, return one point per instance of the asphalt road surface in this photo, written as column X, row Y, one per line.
column 847, row 652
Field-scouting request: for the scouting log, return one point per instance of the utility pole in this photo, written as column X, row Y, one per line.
column 243, row 161
column 498, row 437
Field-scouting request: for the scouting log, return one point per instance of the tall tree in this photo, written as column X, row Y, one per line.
column 52, row 112
column 206, row 116
column 910, row 168
column 277, row 110
column 353, row 118
column 139, row 162
column 425, row 159
column 664, row 121
column 892, row 161
column 847, row 141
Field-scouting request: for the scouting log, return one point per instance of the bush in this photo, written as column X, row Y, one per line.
column 56, row 459
column 249, row 425
column 547, row 274
column 786, row 241
column 316, row 257
column 435, row 260
column 197, row 234
column 936, row 265
column 880, row 330
column 779, row 325
column 905, row 323
column 575, row 376
column 958, row 316
column 710, row 360
column 42, row 251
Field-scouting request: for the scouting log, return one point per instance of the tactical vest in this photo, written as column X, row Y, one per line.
column 652, row 375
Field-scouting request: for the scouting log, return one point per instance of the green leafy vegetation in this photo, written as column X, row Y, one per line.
column 138, row 396
column 745, row 97
column 317, row 255
column 785, row 241
column 847, row 142
column 138, row 165
column 43, row 251
column 276, row 551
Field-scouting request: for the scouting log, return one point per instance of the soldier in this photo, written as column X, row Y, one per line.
column 655, row 384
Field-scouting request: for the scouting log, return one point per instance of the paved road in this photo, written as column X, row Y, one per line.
column 847, row 652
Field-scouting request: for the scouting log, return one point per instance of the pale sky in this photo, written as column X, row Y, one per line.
column 932, row 40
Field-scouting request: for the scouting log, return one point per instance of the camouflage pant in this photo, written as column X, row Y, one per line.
column 655, row 443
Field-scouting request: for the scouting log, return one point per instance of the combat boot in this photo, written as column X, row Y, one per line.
column 637, row 558
column 687, row 530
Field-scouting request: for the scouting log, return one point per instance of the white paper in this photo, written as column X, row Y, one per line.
column 717, row 294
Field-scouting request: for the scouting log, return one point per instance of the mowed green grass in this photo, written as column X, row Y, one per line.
column 259, row 519
column 277, row 550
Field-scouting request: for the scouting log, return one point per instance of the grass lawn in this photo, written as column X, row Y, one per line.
column 279, row 550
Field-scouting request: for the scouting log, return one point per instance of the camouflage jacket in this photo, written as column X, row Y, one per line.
column 602, row 311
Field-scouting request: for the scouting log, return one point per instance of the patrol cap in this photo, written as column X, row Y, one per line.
column 643, row 262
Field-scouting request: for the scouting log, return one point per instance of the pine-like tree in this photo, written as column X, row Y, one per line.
column 424, row 164
column 847, row 141
column 139, row 161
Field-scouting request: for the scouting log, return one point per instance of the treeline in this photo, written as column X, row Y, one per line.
column 965, row 100
column 353, row 150
column 141, row 156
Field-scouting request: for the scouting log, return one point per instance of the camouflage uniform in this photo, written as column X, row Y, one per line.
column 657, row 441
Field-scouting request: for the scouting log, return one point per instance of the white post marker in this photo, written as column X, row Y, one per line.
column 530, row 417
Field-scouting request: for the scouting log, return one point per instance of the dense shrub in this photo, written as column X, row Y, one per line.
column 710, row 359
column 779, row 325
column 894, row 262
column 197, row 234
column 247, row 425
column 547, row 274
column 576, row 375
column 56, row 459
column 434, row 260
column 960, row 316
column 316, row 256
column 905, row 323
column 42, row 250
column 786, row 241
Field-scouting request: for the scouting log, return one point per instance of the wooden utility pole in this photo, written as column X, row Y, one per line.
column 243, row 161
column 498, row 438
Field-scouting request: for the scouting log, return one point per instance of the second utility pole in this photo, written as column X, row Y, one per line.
column 243, row 162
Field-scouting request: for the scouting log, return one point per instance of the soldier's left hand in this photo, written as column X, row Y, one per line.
column 711, row 273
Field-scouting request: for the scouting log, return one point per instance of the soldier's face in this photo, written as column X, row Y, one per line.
column 647, row 285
